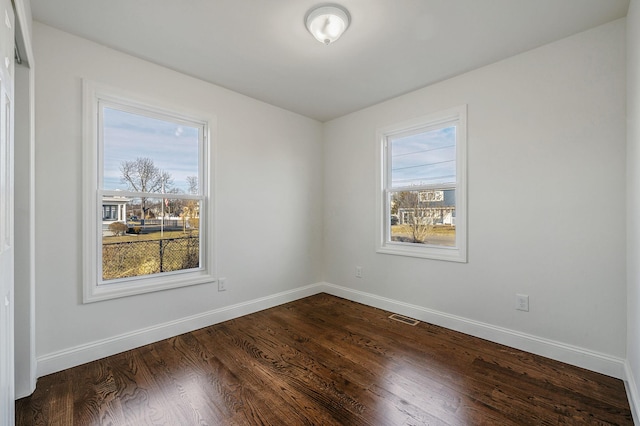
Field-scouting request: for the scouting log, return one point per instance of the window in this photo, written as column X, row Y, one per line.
column 109, row 213
column 148, row 222
column 421, row 203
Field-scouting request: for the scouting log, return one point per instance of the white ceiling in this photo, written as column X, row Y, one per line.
column 262, row 49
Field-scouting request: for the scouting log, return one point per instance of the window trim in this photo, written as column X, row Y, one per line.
column 383, row 187
column 93, row 94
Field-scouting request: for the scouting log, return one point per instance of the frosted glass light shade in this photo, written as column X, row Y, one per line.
column 327, row 23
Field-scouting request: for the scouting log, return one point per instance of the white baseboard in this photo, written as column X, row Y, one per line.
column 25, row 389
column 61, row 360
column 632, row 393
column 594, row 361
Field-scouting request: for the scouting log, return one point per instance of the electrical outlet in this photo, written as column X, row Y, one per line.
column 222, row 284
column 522, row 302
column 358, row 271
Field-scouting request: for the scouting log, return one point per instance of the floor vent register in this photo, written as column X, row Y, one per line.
column 403, row 319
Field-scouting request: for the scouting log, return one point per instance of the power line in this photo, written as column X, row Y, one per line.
column 422, row 179
column 423, row 165
column 424, row 150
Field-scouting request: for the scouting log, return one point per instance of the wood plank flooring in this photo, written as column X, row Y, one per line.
column 323, row 360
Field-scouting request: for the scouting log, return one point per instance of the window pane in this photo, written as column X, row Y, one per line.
column 145, row 154
column 167, row 239
column 424, row 158
column 423, row 217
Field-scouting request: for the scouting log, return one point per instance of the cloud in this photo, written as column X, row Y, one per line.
column 423, row 158
column 173, row 147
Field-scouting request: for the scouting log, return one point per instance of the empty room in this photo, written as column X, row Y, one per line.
column 410, row 212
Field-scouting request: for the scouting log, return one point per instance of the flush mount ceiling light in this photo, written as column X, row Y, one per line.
column 327, row 23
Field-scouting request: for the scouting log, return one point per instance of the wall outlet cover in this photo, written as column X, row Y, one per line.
column 522, row 302
column 222, row 284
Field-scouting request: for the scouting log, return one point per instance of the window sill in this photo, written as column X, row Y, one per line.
column 141, row 285
column 451, row 254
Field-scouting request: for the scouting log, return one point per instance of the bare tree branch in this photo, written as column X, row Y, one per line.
column 192, row 181
column 142, row 175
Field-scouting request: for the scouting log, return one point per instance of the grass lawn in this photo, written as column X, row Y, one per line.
column 441, row 235
column 134, row 255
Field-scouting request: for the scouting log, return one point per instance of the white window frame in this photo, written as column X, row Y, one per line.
column 94, row 289
column 458, row 253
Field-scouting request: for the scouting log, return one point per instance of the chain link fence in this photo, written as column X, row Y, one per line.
column 135, row 258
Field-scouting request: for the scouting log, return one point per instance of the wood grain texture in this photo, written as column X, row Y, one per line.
column 323, row 360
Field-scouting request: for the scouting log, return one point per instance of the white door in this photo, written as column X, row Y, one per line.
column 7, row 382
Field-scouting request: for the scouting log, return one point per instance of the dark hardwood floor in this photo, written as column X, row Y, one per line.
column 324, row 360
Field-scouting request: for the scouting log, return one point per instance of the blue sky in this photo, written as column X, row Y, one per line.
column 173, row 147
column 424, row 158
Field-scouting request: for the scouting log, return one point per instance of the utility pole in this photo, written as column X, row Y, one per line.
column 162, row 210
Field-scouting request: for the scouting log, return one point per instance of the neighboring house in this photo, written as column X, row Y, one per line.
column 434, row 207
column 114, row 209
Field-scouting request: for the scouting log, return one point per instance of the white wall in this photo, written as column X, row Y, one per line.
column 546, row 179
column 269, row 196
column 633, row 200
